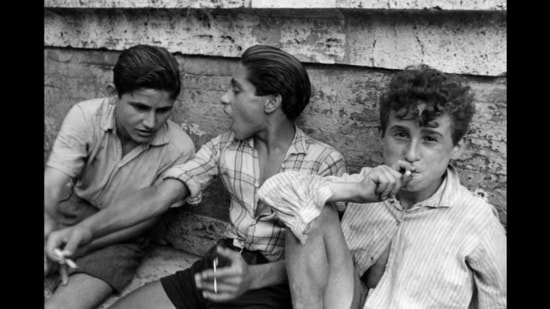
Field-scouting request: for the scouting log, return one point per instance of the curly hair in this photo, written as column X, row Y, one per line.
column 274, row 71
column 425, row 94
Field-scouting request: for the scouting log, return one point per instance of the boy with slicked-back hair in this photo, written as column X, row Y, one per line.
column 106, row 149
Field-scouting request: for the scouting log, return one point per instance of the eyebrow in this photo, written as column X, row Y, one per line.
column 430, row 131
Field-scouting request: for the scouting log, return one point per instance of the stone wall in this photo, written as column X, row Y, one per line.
column 350, row 49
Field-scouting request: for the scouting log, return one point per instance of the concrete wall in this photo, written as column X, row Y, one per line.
column 350, row 48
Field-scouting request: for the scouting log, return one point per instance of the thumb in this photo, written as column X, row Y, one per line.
column 403, row 166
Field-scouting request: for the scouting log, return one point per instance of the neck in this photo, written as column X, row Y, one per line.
column 276, row 137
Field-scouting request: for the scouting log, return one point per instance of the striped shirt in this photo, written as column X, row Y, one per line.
column 448, row 251
column 254, row 225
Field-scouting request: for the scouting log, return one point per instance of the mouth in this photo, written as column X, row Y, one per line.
column 144, row 133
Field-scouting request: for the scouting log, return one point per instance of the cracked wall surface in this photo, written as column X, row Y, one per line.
column 350, row 49
column 343, row 112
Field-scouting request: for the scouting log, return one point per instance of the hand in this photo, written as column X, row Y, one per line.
column 383, row 182
column 231, row 281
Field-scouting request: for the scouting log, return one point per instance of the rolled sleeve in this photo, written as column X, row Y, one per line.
column 180, row 173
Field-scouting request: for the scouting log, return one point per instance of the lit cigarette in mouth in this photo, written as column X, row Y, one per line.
column 69, row 262
column 408, row 173
column 215, row 264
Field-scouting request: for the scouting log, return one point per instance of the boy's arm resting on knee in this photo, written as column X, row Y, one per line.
column 142, row 205
column 117, row 237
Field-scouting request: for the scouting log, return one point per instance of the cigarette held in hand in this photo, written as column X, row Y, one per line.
column 215, row 264
column 60, row 254
column 408, row 173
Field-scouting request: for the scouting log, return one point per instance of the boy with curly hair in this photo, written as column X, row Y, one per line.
column 411, row 236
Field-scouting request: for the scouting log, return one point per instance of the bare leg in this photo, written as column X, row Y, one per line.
column 151, row 295
column 321, row 272
column 83, row 291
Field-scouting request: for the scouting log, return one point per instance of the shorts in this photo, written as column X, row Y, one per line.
column 180, row 287
column 115, row 264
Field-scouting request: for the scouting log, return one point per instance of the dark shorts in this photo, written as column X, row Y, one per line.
column 180, row 287
column 115, row 264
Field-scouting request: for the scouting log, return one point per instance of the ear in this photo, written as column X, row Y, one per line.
column 458, row 149
column 111, row 90
column 272, row 103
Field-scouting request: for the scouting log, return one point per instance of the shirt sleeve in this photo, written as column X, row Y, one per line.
column 488, row 263
column 298, row 198
column 71, row 145
column 334, row 166
column 197, row 173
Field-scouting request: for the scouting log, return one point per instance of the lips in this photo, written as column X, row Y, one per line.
column 144, row 133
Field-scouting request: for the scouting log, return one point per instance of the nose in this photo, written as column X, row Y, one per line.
column 226, row 102
column 413, row 152
column 149, row 120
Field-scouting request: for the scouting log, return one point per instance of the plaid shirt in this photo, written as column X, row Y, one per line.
column 254, row 225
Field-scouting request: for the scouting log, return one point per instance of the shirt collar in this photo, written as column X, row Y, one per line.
column 108, row 123
column 298, row 145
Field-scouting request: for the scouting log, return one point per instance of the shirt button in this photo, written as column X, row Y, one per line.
column 257, row 185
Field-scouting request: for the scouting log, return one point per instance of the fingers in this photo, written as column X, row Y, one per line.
column 64, row 273
column 402, row 166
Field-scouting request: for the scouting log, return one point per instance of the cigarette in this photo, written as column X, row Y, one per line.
column 60, row 254
column 215, row 263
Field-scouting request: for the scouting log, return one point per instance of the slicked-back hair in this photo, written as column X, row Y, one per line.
column 145, row 66
column 425, row 93
column 273, row 71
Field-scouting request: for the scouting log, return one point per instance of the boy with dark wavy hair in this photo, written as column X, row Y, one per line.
column 411, row 236
column 106, row 149
column 268, row 91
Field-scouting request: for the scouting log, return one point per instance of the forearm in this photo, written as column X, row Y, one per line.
column 268, row 274
column 345, row 192
column 119, row 236
column 135, row 208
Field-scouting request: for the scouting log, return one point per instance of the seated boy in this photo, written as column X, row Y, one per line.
column 108, row 148
column 412, row 236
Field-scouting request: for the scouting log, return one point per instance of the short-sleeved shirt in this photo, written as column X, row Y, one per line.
column 88, row 149
column 448, row 251
column 254, row 225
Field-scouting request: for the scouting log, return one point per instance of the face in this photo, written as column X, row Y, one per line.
column 243, row 106
column 141, row 113
column 429, row 149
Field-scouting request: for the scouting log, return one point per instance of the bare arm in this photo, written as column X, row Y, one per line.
column 142, row 205
column 380, row 183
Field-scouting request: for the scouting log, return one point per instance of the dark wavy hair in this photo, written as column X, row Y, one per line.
column 273, row 71
column 425, row 93
column 145, row 66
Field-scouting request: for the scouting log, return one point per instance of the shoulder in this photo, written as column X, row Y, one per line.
column 475, row 211
column 94, row 107
column 178, row 138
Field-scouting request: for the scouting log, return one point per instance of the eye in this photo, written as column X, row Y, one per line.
column 400, row 134
column 430, row 139
column 235, row 90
